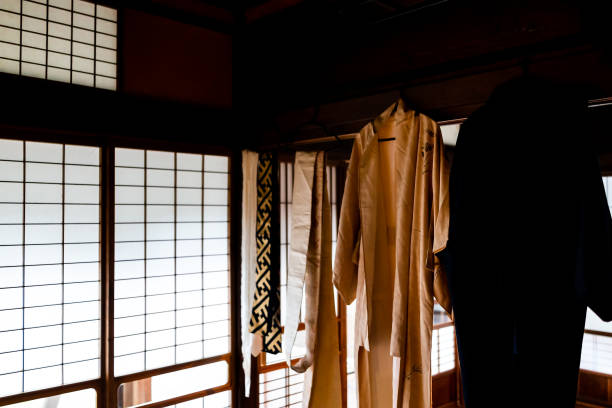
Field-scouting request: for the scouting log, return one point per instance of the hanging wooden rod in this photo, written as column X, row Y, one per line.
column 349, row 136
column 592, row 103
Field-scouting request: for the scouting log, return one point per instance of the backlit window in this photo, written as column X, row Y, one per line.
column 71, row 41
column 172, row 299
column 49, row 265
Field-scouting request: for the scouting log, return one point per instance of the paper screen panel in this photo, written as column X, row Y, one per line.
column 172, row 300
column 70, row 41
column 49, row 265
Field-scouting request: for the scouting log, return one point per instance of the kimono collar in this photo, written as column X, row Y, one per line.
column 397, row 112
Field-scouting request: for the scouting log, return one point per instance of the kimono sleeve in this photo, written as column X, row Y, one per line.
column 440, row 219
column 347, row 246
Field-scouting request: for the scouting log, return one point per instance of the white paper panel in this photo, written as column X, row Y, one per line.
column 83, row 7
column 82, row 50
column 58, row 60
column 81, row 213
column 43, row 172
column 128, row 307
column 81, row 35
column 43, row 316
column 129, row 344
column 82, row 155
column 216, row 197
column 83, row 65
column 82, row 174
column 67, row 4
column 129, row 363
column 129, row 232
column 81, row 194
column 43, row 234
column 104, row 54
column 9, row 35
column 107, row 41
column 59, row 302
column 216, row 230
column 58, row 15
column 34, row 24
column 11, row 362
column 160, row 178
column 170, row 265
column 188, row 231
column 57, row 74
column 11, row 341
column 8, row 66
column 11, row 192
column 130, row 213
column 160, row 303
column 216, row 163
column 216, row 180
column 106, row 83
column 11, row 149
column 11, row 277
column 42, row 378
column 34, row 9
column 129, row 157
column 33, row 40
column 82, row 21
column 104, row 68
column 44, row 152
column 216, row 213
column 129, row 269
column 59, row 30
column 9, row 50
column 106, row 13
column 162, row 160
column 11, row 5
column 161, row 238
column 106, row 27
column 79, row 272
column 9, row 19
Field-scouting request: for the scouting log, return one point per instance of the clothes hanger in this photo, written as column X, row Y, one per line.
column 388, row 139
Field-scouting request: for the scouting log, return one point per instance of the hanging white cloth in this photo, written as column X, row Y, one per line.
column 248, row 261
column 300, row 234
column 311, row 274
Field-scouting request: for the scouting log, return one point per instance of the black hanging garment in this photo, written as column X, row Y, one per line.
column 530, row 246
column 265, row 316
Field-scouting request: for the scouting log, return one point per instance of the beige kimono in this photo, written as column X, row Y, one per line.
column 394, row 218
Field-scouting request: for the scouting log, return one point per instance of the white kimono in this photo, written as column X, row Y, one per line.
column 394, row 218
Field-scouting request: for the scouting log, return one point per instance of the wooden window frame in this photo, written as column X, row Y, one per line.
column 107, row 385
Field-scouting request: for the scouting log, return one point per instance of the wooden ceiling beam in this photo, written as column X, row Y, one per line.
column 268, row 8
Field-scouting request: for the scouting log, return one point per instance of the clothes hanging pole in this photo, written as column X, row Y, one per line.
column 347, row 136
column 592, row 103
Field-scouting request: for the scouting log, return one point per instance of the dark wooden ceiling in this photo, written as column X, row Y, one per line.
column 252, row 11
column 328, row 66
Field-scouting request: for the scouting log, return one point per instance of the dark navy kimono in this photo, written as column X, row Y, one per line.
column 530, row 245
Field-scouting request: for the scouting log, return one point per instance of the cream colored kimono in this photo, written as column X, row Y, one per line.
column 394, row 218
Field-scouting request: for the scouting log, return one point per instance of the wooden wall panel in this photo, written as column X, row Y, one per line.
column 169, row 60
column 444, row 389
column 594, row 388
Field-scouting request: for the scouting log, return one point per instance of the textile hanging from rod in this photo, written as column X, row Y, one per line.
column 310, row 272
column 394, row 219
column 265, row 316
column 248, row 261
